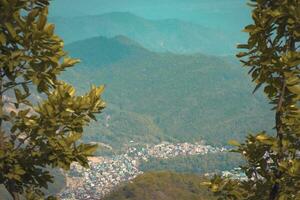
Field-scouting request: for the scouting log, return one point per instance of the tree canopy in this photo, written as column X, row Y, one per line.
column 41, row 118
column 272, row 54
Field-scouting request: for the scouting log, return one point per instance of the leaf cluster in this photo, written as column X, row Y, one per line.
column 41, row 118
column 272, row 54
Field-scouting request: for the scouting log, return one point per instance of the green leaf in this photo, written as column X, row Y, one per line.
column 75, row 136
column 49, row 28
column 25, row 88
column 275, row 13
column 257, row 87
column 11, row 30
column 68, row 62
column 41, row 22
column 19, row 171
column 90, row 149
column 18, row 94
column 243, row 46
column 234, row 143
column 294, row 89
column 92, row 116
column 261, row 137
column 32, row 15
column 249, row 28
column 2, row 39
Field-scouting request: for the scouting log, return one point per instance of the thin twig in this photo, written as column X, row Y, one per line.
column 16, row 84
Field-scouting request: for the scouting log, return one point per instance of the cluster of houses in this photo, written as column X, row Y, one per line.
column 167, row 150
column 105, row 174
column 235, row 173
column 100, row 178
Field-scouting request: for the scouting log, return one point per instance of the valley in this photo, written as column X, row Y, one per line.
column 107, row 173
column 159, row 104
column 151, row 100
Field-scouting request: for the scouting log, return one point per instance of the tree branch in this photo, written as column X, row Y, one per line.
column 12, row 86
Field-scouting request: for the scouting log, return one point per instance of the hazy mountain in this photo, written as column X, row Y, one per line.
column 118, row 49
column 158, row 35
column 223, row 14
column 163, row 96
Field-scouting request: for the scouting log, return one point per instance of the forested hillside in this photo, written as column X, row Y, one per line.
column 158, row 35
column 196, row 164
column 163, row 186
column 164, row 96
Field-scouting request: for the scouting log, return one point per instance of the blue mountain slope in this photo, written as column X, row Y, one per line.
column 120, row 47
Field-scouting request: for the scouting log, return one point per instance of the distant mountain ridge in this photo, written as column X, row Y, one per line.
column 155, row 97
column 158, row 35
column 118, row 48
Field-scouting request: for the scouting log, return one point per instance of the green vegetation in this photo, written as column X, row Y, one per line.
column 54, row 188
column 59, row 182
column 272, row 53
column 164, row 96
column 36, row 136
column 198, row 164
column 163, row 186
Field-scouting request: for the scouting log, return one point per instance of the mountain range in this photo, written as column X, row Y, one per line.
column 171, row 35
column 164, row 96
column 229, row 15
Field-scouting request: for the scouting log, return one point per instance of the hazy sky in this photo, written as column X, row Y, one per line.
column 224, row 14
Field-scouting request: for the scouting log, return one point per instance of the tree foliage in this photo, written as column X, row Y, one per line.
column 38, row 133
column 272, row 53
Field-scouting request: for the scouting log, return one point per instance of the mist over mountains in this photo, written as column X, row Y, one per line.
column 218, row 14
column 158, row 35
column 189, row 26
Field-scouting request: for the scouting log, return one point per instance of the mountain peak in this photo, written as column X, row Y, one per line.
column 126, row 41
column 119, row 13
column 169, row 35
column 98, row 51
